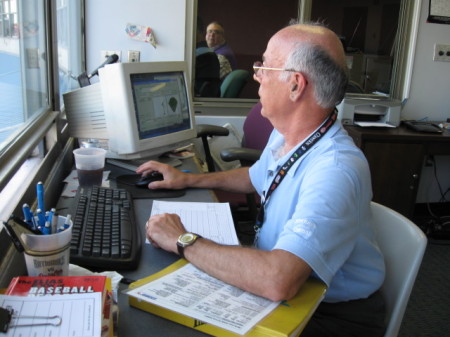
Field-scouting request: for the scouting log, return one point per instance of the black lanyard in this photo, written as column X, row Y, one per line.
column 301, row 150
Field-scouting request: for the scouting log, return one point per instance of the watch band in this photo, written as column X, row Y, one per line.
column 182, row 244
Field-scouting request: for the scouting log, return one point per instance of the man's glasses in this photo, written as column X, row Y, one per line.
column 259, row 68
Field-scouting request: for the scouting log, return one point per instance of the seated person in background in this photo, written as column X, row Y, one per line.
column 316, row 220
column 215, row 38
column 207, row 67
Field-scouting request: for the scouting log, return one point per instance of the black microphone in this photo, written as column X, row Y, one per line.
column 110, row 60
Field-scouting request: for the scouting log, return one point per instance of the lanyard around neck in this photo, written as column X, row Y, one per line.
column 298, row 153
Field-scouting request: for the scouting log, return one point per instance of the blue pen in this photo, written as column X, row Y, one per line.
column 27, row 214
column 40, row 196
column 41, row 218
column 47, row 229
column 67, row 222
column 35, row 223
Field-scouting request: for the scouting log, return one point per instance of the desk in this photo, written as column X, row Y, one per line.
column 396, row 157
column 135, row 322
column 132, row 321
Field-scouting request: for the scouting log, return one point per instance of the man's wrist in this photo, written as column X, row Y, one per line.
column 186, row 240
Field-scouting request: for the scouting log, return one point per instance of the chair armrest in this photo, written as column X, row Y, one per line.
column 207, row 130
column 245, row 155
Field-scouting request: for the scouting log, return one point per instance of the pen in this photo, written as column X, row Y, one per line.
column 35, row 224
column 67, row 222
column 40, row 196
column 47, row 229
column 52, row 219
column 41, row 217
column 27, row 214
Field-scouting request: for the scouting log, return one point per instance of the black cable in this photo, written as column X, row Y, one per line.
column 437, row 179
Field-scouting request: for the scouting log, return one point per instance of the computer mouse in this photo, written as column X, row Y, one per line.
column 145, row 180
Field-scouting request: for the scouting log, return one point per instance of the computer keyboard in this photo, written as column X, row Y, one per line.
column 104, row 234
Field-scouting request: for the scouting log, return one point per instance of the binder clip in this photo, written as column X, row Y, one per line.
column 7, row 315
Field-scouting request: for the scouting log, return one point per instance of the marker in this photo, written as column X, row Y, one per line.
column 27, row 215
column 40, row 196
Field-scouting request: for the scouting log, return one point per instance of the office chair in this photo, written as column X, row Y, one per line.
column 233, row 83
column 207, row 75
column 403, row 246
column 256, row 132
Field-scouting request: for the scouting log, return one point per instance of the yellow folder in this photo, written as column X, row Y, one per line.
column 288, row 319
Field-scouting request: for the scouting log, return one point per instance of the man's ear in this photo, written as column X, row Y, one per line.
column 298, row 86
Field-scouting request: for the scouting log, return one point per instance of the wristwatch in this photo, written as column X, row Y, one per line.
column 185, row 240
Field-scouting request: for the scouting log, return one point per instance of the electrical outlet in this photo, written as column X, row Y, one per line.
column 441, row 52
column 106, row 53
column 134, row 56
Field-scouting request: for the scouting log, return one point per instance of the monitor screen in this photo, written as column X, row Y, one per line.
column 160, row 103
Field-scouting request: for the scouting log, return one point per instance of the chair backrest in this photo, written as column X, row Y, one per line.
column 207, row 75
column 257, row 129
column 233, row 83
column 403, row 246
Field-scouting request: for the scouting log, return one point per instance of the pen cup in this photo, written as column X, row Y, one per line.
column 48, row 255
column 90, row 163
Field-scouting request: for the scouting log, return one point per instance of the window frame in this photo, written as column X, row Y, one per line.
column 401, row 74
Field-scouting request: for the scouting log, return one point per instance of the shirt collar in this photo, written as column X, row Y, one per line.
column 277, row 142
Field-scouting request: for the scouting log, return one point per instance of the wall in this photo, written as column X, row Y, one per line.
column 106, row 21
column 430, row 85
column 430, row 97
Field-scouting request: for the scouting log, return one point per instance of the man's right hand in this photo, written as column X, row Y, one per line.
column 173, row 178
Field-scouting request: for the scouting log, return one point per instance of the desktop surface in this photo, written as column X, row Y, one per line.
column 132, row 321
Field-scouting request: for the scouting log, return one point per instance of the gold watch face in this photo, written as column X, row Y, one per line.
column 187, row 238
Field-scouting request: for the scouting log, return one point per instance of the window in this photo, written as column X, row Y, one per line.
column 8, row 19
column 23, row 70
column 33, row 77
column 380, row 35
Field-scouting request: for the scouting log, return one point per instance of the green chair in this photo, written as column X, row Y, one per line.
column 233, row 83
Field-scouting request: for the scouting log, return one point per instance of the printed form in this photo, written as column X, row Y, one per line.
column 193, row 293
column 211, row 220
column 75, row 315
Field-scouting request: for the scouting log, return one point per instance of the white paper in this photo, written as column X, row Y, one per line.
column 80, row 314
column 193, row 293
column 379, row 124
column 211, row 220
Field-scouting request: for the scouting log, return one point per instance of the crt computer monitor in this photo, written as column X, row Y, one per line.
column 136, row 110
column 148, row 107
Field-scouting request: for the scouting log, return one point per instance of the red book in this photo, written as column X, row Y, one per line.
column 61, row 285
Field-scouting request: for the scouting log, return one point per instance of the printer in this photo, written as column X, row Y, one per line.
column 369, row 111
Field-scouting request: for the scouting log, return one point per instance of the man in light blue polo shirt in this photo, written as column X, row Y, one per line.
column 315, row 188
